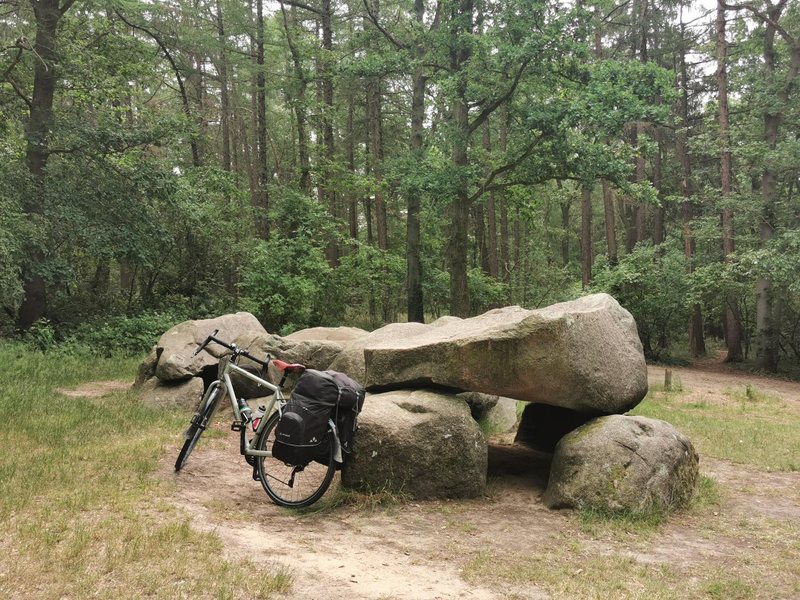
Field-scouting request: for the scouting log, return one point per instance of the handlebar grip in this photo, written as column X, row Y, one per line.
column 205, row 343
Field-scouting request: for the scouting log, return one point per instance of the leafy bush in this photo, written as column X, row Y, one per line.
column 651, row 283
column 286, row 282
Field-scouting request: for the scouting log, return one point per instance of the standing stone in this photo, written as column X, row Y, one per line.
column 421, row 443
column 147, row 368
column 176, row 346
column 620, row 463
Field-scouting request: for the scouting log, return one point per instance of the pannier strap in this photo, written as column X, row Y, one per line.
column 283, row 366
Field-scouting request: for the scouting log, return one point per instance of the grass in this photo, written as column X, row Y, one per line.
column 756, row 429
column 79, row 509
column 382, row 499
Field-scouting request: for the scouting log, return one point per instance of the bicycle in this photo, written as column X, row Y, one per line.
column 292, row 486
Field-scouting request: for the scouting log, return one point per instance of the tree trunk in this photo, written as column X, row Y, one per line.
column 352, row 210
column 459, row 290
column 262, row 196
column 697, row 346
column 225, row 109
column 608, row 210
column 37, row 138
column 564, row 227
column 504, row 244
column 491, row 214
column 733, row 336
column 413, row 233
column 767, row 327
column 658, row 221
column 587, row 253
column 459, row 243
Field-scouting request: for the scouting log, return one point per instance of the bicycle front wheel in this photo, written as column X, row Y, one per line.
column 293, row 486
column 199, row 423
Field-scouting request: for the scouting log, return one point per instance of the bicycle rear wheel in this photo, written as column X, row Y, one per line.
column 293, row 486
column 199, row 423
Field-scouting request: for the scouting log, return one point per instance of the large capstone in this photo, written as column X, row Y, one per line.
column 351, row 359
column 329, row 334
column 584, row 355
column 175, row 348
column 421, row 443
column 621, row 463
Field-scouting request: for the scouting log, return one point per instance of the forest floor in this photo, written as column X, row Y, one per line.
column 90, row 507
column 740, row 540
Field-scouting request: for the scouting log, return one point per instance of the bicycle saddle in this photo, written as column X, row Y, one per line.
column 284, row 366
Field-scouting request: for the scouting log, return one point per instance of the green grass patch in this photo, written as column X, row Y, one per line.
column 80, row 512
column 368, row 499
column 602, row 523
column 760, row 430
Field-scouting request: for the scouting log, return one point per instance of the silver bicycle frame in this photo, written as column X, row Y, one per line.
column 277, row 398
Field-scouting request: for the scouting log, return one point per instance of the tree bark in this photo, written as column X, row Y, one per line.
column 767, row 329
column 733, row 337
column 225, row 109
column 504, row 243
column 491, row 214
column 608, row 211
column 413, row 233
column 262, row 197
column 587, row 253
column 697, row 345
column 37, row 137
column 658, row 221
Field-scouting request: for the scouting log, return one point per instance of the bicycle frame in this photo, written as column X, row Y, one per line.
column 278, row 398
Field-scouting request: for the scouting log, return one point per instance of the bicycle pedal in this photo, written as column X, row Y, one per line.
column 238, row 426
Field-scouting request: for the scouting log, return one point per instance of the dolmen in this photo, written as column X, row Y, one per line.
column 577, row 365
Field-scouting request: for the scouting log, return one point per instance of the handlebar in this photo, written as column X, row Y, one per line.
column 232, row 347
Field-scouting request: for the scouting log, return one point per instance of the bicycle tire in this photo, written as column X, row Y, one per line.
column 308, row 483
column 194, row 432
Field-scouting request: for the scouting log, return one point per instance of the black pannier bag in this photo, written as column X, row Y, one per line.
column 317, row 397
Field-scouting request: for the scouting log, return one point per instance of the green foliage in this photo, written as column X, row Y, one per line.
column 651, row 284
column 286, row 282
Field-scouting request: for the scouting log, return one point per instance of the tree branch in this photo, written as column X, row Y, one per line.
column 764, row 19
column 479, row 120
column 7, row 77
column 67, row 5
column 385, row 33
column 507, row 167
column 303, row 6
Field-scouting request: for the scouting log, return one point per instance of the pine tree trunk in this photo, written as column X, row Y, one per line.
column 491, row 214
column 587, row 252
column 504, row 244
column 262, row 197
column 658, row 221
column 608, row 211
column 697, row 346
column 733, row 337
column 767, row 315
column 37, row 138
column 225, row 109
column 413, row 233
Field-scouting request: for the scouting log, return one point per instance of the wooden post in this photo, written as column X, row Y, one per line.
column 667, row 379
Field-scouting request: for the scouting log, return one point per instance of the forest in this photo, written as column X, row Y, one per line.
column 325, row 162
